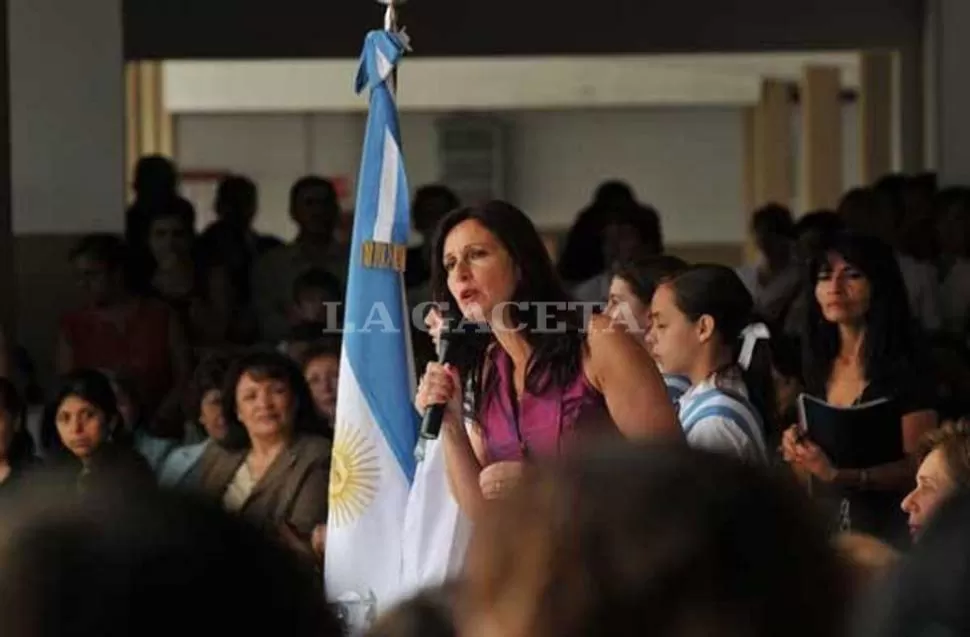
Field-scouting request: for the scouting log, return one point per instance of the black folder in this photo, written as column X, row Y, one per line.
column 856, row 437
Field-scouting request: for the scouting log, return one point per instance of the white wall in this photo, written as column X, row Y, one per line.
column 686, row 161
column 67, row 115
column 493, row 83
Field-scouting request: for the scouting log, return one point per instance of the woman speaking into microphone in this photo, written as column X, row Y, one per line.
column 538, row 378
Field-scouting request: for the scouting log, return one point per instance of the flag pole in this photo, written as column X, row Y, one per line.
column 391, row 26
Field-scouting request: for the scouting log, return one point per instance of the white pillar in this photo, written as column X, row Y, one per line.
column 67, row 140
column 949, row 23
column 66, row 115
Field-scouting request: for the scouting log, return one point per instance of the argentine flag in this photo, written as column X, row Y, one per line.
column 376, row 429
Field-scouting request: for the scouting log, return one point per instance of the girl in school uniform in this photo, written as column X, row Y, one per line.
column 700, row 319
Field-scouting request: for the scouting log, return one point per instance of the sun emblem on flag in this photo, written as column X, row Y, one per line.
column 355, row 475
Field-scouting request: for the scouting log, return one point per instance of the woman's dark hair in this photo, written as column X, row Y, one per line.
column 236, row 197
column 313, row 181
column 592, row 546
column 325, row 346
column 876, row 212
column 210, row 374
column 773, row 219
column 155, row 176
column 816, row 229
column 890, row 348
column 432, row 203
column 88, row 385
column 643, row 273
column 582, row 254
column 268, row 365
column 21, row 449
column 718, row 292
column 640, row 219
column 557, row 355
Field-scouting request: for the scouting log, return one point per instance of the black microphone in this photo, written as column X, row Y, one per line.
column 453, row 329
column 434, row 414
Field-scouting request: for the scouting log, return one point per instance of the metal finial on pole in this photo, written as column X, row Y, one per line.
column 390, row 15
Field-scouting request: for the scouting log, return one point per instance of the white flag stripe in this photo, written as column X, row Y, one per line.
column 436, row 532
column 387, row 203
column 366, row 491
column 384, row 67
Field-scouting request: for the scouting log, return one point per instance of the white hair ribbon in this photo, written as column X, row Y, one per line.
column 750, row 337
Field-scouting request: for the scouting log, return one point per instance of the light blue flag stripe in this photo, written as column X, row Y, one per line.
column 376, row 340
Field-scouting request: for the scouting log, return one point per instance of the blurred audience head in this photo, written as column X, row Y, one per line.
column 302, row 336
column 773, row 230
column 431, row 204
column 614, row 193
column 814, row 230
column 237, row 200
column 321, row 367
column 629, row 231
column 314, row 207
column 155, row 177
column 170, row 234
column 953, row 222
column 430, row 613
column 155, row 565
column 623, row 539
column 917, row 235
column 634, row 282
column 869, row 560
column 203, row 403
column 100, row 262
column 313, row 291
column 944, row 470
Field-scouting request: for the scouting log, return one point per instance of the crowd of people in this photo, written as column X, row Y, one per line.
column 643, row 467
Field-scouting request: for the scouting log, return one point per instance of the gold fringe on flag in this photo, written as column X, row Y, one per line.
column 377, row 254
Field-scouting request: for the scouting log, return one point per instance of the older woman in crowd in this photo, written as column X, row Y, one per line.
column 273, row 467
column 207, row 422
column 944, row 470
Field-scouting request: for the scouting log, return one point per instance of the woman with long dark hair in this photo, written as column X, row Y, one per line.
column 698, row 320
column 538, row 376
column 861, row 345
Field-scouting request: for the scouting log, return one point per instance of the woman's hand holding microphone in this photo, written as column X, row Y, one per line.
column 440, row 384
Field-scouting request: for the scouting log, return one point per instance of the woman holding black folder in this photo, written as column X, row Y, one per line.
column 861, row 346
